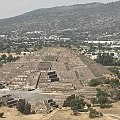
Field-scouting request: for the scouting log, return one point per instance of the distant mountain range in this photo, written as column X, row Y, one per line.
column 80, row 16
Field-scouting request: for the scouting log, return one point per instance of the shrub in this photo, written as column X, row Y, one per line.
column 100, row 92
column 68, row 100
column 103, row 101
column 93, row 101
column 101, row 114
column 75, row 111
column 95, row 82
column 1, row 115
column 88, row 105
column 77, row 103
column 20, row 105
column 23, row 106
column 107, row 81
column 93, row 113
column 27, row 109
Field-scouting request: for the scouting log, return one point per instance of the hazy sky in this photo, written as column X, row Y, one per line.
column 9, row 8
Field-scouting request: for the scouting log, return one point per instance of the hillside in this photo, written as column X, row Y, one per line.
column 80, row 16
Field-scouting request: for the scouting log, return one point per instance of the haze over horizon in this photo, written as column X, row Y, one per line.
column 11, row 8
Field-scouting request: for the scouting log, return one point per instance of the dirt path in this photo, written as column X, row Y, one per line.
column 51, row 114
column 112, row 117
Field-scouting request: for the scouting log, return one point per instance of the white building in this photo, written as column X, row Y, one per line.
column 102, row 42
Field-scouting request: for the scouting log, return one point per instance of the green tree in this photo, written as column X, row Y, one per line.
column 10, row 58
column 114, row 83
column 78, row 103
column 100, row 92
column 68, row 100
column 20, row 105
column 95, row 82
column 3, row 57
column 105, row 59
column 23, row 106
column 103, row 101
column 27, row 109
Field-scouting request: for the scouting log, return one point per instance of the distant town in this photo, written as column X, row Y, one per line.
column 24, row 42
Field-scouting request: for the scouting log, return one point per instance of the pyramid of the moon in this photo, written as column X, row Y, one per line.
column 52, row 69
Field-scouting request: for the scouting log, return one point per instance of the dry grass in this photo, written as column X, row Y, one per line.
column 115, row 109
column 13, row 114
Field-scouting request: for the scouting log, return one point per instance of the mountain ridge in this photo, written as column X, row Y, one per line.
column 95, row 3
column 90, row 15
